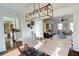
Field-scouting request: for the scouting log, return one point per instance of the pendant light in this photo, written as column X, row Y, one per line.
column 62, row 19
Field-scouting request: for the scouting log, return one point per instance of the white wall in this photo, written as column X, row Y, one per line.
column 76, row 32
column 26, row 32
column 2, row 37
column 38, row 28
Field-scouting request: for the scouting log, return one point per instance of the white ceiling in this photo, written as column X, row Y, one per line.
column 58, row 19
column 13, row 7
column 22, row 8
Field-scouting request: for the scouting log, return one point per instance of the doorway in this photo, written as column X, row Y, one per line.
column 8, row 26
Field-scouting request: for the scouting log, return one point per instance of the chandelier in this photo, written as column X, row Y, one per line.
column 40, row 13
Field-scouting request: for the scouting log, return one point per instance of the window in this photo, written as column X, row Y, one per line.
column 59, row 26
column 71, row 26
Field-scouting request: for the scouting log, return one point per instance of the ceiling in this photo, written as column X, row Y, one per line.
column 23, row 8
column 13, row 7
column 69, row 18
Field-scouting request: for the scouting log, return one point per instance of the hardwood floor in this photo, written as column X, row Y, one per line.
column 7, row 51
column 73, row 53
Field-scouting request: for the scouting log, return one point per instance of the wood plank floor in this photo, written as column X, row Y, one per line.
column 7, row 51
column 73, row 53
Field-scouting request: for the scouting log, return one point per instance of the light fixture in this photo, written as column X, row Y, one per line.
column 62, row 19
column 41, row 12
